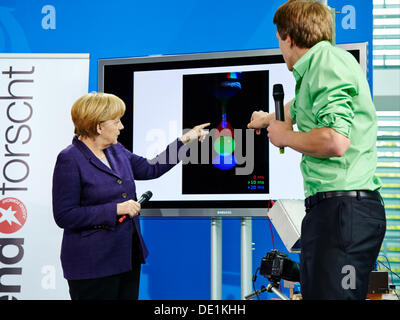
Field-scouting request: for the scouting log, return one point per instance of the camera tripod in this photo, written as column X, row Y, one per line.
column 272, row 287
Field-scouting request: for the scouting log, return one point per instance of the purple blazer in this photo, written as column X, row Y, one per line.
column 85, row 197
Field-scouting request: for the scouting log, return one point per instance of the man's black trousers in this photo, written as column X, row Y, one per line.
column 340, row 238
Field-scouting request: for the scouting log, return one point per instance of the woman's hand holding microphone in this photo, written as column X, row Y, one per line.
column 130, row 207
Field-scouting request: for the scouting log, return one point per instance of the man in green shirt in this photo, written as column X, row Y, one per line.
column 345, row 218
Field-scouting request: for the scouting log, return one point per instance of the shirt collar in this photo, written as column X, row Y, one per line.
column 301, row 66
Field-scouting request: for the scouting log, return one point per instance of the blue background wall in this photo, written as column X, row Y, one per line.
column 179, row 261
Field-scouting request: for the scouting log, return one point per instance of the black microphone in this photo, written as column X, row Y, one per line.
column 278, row 95
column 143, row 199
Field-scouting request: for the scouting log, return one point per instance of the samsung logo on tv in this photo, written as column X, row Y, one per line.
column 224, row 212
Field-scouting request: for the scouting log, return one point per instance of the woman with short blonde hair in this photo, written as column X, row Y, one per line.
column 95, row 201
column 94, row 108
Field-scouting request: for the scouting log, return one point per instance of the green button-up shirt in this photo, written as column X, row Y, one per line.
column 332, row 91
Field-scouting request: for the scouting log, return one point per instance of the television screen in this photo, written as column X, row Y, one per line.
column 234, row 172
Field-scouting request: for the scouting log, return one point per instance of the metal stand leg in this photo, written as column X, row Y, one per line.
column 216, row 258
column 273, row 288
column 246, row 257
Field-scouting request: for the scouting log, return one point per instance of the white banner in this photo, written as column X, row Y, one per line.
column 36, row 95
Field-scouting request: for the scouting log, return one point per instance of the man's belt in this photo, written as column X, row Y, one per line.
column 359, row 194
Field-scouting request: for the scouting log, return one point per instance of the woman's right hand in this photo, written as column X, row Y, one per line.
column 197, row 133
column 130, row 207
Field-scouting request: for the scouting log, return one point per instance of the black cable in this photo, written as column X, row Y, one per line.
column 254, row 280
column 392, row 273
column 398, row 276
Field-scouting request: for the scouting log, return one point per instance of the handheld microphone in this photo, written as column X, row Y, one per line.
column 143, row 199
column 278, row 95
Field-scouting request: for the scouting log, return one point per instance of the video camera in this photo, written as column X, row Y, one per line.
column 276, row 266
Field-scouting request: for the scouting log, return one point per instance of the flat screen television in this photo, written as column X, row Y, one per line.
column 234, row 172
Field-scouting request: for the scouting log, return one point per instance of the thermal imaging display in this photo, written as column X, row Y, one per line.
column 233, row 157
column 224, row 142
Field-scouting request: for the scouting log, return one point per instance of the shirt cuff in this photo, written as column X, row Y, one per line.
column 335, row 122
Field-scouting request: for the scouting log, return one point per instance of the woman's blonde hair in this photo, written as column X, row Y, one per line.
column 307, row 22
column 94, row 108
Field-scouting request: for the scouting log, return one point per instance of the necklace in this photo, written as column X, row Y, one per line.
column 98, row 152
